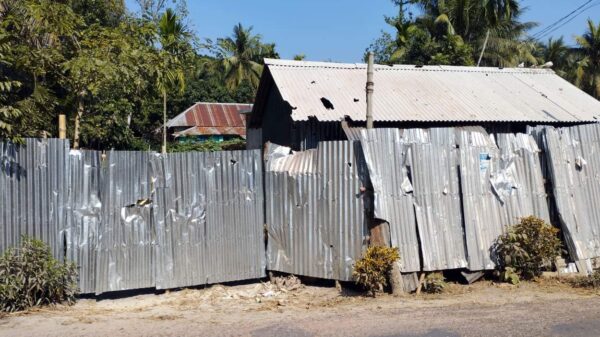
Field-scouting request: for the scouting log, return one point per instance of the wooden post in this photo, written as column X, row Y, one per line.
column 62, row 127
column 421, row 280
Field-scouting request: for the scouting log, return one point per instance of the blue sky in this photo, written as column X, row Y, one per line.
column 340, row 30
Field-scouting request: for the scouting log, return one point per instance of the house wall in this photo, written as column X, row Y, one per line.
column 277, row 120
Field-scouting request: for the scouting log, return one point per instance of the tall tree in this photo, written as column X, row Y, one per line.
column 172, row 36
column 588, row 74
column 240, row 56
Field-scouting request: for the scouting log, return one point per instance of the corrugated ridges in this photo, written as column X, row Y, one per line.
column 126, row 232
column 33, row 184
column 316, row 220
column 574, row 164
column 432, row 94
column 209, row 218
column 212, row 115
column 84, row 215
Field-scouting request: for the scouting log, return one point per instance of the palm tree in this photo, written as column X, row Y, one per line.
column 240, row 57
column 588, row 73
column 563, row 58
column 404, row 29
column 172, row 36
column 491, row 27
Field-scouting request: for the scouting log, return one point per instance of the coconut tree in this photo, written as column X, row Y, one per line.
column 240, row 58
column 170, row 72
column 492, row 27
column 588, row 73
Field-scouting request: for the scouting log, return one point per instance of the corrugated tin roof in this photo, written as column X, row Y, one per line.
column 212, row 115
column 217, row 130
column 431, row 93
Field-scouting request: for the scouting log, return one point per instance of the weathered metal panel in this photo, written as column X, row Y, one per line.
column 415, row 177
column 209, row 218
column 212, row 115
column 83, row 215
column 33, row 183
column 316, row 210
column 574, row 164
column 502, row 181
column 126, row 231
column 434, row 169
column 430, row 93
column 386, row 156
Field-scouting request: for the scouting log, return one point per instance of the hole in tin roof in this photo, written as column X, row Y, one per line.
column 327, row 103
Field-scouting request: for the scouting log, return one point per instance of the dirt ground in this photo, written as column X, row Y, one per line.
column 549, row 308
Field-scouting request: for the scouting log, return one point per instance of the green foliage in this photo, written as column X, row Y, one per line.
column 588, row 70
column 30, row 276
column 527, row 248
column 590, row 281
column 372, row 270
column 509, row 275
column 208, row 146
column 8, row 113
column 434, row 283
column 454, row 32
column 240, row 57
column 108, row 70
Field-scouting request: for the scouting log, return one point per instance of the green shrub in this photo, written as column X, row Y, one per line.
column 372, row 270
column 31, row 276
column 208, row 146
column 434, row 283
column 527, row 248
column 591, row 281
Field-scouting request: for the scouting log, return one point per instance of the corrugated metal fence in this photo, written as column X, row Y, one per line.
column 448, row 193
column 33, row 191
column 134, row 220
column 316, row 209
column 574, row 168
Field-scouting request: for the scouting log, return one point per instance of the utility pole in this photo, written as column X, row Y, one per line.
column 379, row 230
column 370, row 90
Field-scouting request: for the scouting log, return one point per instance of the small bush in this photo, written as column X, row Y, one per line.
column 372, row 270
column 591, row 281
column 31, row 276
column 434, row 283
column 208, row 146
column 527, row 248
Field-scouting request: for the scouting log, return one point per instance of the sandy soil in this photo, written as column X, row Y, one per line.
column 530, row 309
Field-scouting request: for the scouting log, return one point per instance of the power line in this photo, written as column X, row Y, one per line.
column 553, row 25
column 570, row 19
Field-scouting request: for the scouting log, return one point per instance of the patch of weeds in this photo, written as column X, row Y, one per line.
column 588, row 282
column 434, row 283
column 372, row 270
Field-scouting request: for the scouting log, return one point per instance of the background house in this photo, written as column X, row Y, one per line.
column 214, row 121
column 300, row 103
